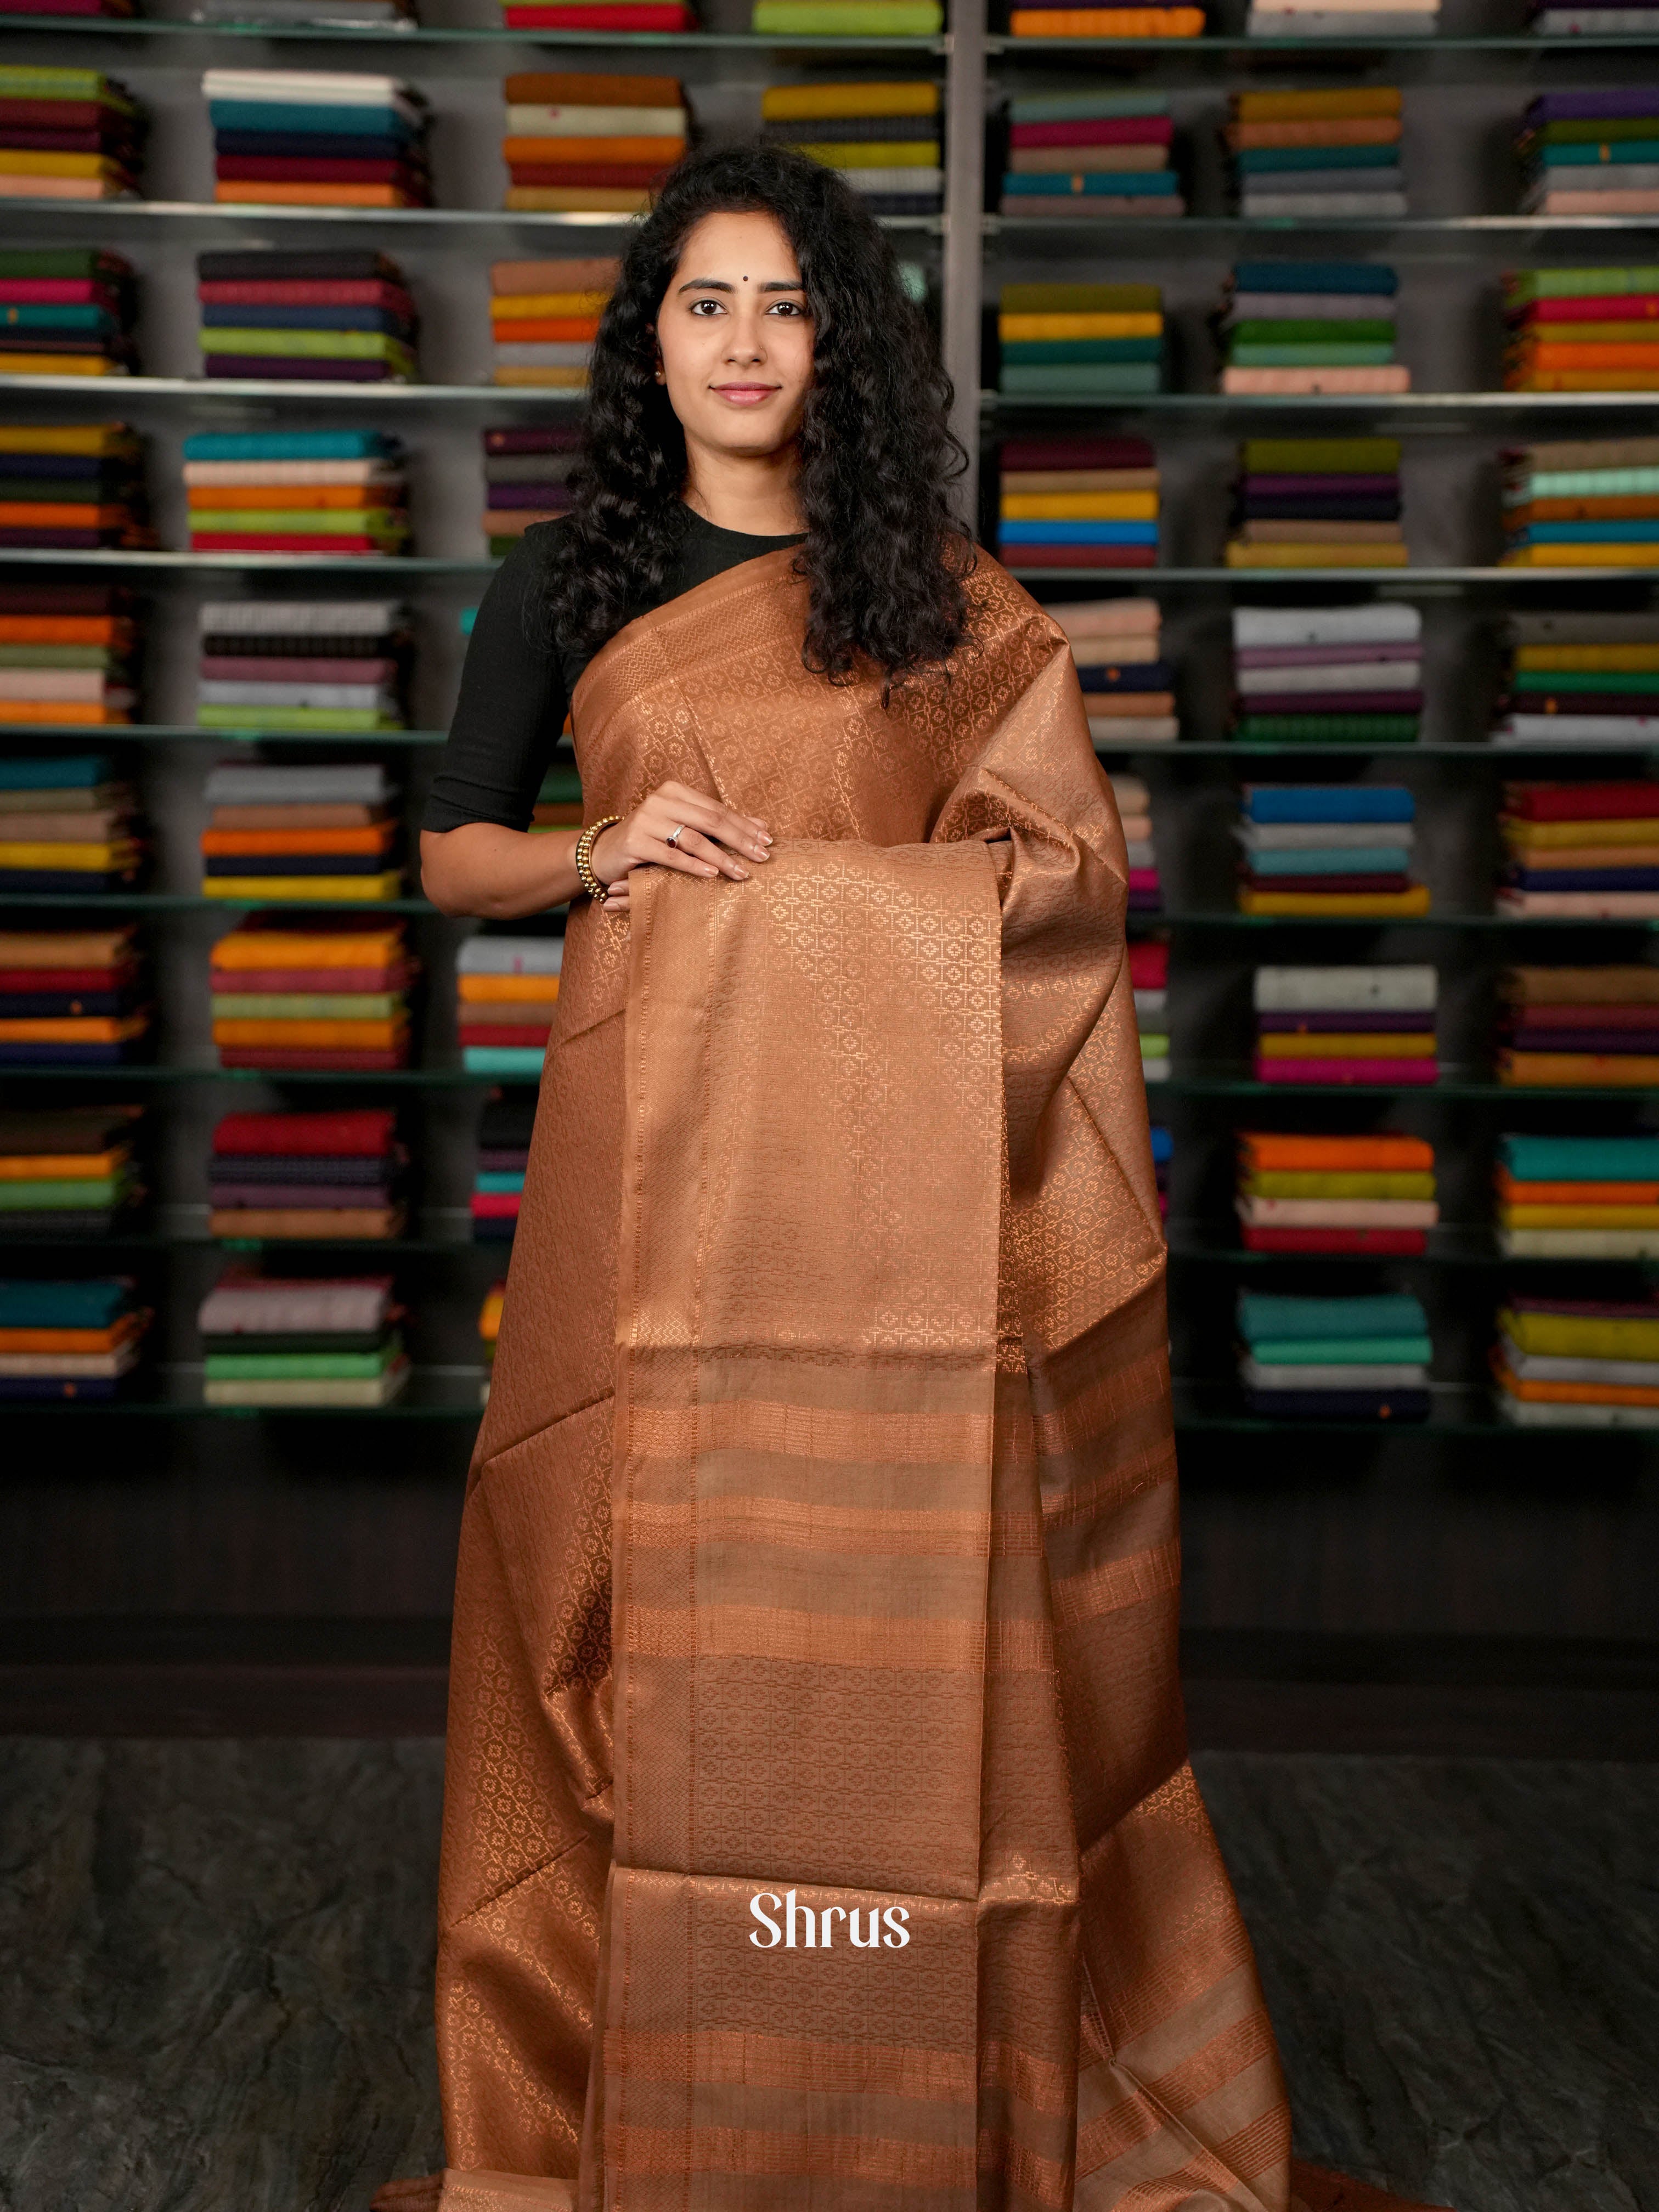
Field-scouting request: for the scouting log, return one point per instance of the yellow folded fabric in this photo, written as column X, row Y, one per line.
column 89, row 859
column 62, row 1167
column 1412, row 1044
column 314, row 1037
column 1079, row 326
column 297, row 948
column 1580, row 1336
column 1107, row 22
column 1579, row 1217
column 1415, row 900
column 1612, row 1071
column 15, row 163
column 254, row 891
column 1304, row 106
column 574, row 199
column 58, row 364
column 100, row 438
column 1542, row 836
column 1317, row 556
column 793, row 103
column 75, row 1029
column 871, row 153
column 1584, row 556
column 1636, row 658
column 1306, row 1182
column 548, row 379
column 1081, row 507
column 525, row 307
column 486, row 990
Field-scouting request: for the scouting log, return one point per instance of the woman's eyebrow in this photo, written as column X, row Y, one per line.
column 722, row 284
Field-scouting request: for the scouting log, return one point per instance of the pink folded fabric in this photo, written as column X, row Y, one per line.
column 1347, row 1071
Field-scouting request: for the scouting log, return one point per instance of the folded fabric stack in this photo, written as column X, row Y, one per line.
column 1583, row 504
column 1581, row 330
column 69, row 1170
column 1128, row 688
column 1078, row 502
column 1327, row 849
column 67, row 313
column 334, row 1175
column 1317, row 153
column 594, row 144
column 325, row 1000
column 67, row 824
column 1597, row 1027
column 323, row 832
column 598, row 15
column 317, row 138
column 1578, row 1363
column 1335, row 1359
column 1327, row 675
column 1301, row 326
column 1578, row 1198
column 1134, row 806
column 334, row 318
column 883, row 140
column 72, row 487
column 490, row 1327
column 525, row 472
column 849, row 19
column 1591, row 153
column 1335, row 1193
column 504, row 1132
column 1582, row 679
column 302, row 665
column 1575, row 851
column 1163, row 1154
column 297, row 14
column 1093, row 153
column 1082, row 342
column 296, row 491
column 1107, row 22
column 1371, row 1024
column 271, row 1341
column 71, row 998
column 68, row 134
column 1318, row 503
column 507, row 988
column 1342, row 19
column 543, row 318
column 62, row 1340
column 68, row 651
column 1149, row 978
column 1559, row 19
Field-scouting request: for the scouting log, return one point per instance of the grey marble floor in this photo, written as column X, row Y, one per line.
column 217, row 1959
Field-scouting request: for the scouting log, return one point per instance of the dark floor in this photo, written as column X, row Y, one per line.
column 217, row 1958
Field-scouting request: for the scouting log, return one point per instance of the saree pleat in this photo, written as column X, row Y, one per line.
column 819, row 1829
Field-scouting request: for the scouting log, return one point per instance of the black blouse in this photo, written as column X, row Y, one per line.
column 516, row 684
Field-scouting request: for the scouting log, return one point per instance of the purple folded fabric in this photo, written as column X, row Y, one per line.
column 310, row 370
column 1598, row 1041
column 1333, row 702
column 1316, row 656
column 1577, row 107
column 1397, row 1024
column 326, row 1194
column 1324, row 487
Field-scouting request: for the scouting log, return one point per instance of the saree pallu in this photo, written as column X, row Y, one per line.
column 818, row 1826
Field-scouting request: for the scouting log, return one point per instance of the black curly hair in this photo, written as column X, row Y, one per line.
column 884, row 558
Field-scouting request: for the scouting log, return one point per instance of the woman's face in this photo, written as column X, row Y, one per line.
column 734, row 337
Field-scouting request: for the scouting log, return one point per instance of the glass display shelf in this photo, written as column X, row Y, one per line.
column 1002, row 46
column 417, row 35
column 194, row 902
column 109, row 560
column 1475, row 748
column 152, row 1074
column 315, row 392
column 1432, row 407
column 1401, row 581
column 198, row 733
column 173, row 1392
column 1202, row 1244
column 210, row 216
column 1406, row 237
column 1214, row 918
column 1465, row 1085
column 1456, row 1411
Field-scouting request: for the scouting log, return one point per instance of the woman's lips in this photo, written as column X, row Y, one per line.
column 746, row 395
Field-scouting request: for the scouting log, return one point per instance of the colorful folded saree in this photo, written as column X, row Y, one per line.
column 818, row 1822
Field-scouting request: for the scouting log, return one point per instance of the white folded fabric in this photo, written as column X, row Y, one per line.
column 375, row 471
column 370, row 1390
column 542, row 121
column 1401, row 1376
column 1309, row 307
column 1338, row 1213
column 310, row 88
column 1341, row 676
column 1544, row 1367
column 1378, row 622
column 1108, row 730
column 1142, row 854
column 355, row 783
column 375, row 697
column 549, row 353
column 1640, row 730
column 1313, row 836
column 1579, row 1244
column 1409, row 987
column 1151, row 1006
column 1154, row 1070
column 298, row 617
column 510, row 955
column 913, row 181
column 1527, row 1413
column 1314, row 204
column 253, row 1308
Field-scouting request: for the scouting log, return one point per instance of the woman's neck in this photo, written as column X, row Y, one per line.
column 755, row 494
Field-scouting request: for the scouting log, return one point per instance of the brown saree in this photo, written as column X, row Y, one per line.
column 819, row 1567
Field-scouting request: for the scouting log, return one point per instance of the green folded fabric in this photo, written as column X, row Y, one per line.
column 1311, row 356
column 851, row 19
column 1325, row 730
column 1295, row 457
column 1389, row 1314
column 1340, row 1351
column 314, row 345
column 56, row 656
column 94, row 1191
column 1081, row 299
column 1080, row 352
column 1522, row 286
column 302, row 522
column 1308, row 330
column 1129, row 380
column 299, row 1366
column 293, row 718
column 303, row 1006
column 1586, row 679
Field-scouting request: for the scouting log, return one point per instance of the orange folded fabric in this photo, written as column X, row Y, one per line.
column 1107, row 22
column 227, row 842
column 1352, row 131
column 1596, row 1071
column 664, row 152
column 236, row 194
column 53, row 514
column 279, row 494
column 70, row 714
column 555, row 330
column 65, row 629
column 1576, row 1193
column 1605, row 354
column 76, row 1028
column 312, row 1037
column 72, row 1340
column 1261, row 1152
column 1580, row 1394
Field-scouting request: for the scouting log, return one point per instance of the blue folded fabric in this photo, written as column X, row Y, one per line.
column 1580, row 1159
column 334, row 122
column 69, row 771
column 303, row 318
column 1264, row 1315
column 1377, row 1406
column 95, row 1304
column 491, row 1184
column 58, row 317
column 1255, row 159
column 1164, row 1144
column 1328, row 802
column 1611, row 153
column 1588, row 533
column 1138, row 676
column 1085, row 106
column 1581, row 879
column 1117, row 184
column 1332, row 860
column 1062, row 351
column 289, row 445
column 1078, row 534
column 1314, row 276
column 316, row 145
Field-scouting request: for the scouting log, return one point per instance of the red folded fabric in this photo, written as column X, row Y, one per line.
column 359, row 1132
column 1347, row 1071
column 295, row 292
column 646, row 15
column 518, row 1033
column 636, row 175
column 308, row 169
column 268, row 541
column 494, row 1206
column 1396, row 1242
column 1581, row 802
column 301, row 1063
column 1077, row 454
column 1102, row 131
column 1080, row 556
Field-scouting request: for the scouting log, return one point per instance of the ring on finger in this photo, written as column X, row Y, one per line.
column 674, row 837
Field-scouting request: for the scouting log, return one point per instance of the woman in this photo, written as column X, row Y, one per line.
column 818, row 1828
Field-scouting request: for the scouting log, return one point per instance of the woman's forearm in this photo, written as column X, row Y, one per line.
column 498, row 874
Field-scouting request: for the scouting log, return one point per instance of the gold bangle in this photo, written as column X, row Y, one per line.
column 584, row 876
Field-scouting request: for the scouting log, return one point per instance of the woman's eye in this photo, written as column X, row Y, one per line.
column 786, row 308
column 713, row 306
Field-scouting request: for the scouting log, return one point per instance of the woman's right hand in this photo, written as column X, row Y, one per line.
column 713, row 840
